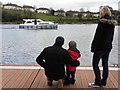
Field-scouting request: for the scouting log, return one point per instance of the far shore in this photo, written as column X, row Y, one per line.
column 89, row 22
column 57, row 23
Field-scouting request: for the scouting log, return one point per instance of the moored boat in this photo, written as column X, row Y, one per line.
column 37, row 24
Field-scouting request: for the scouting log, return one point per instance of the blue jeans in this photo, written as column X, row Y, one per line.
column 104, row 55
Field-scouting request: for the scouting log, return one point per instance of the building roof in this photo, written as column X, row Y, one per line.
column 70, row 11
column 9, row 4
column 60, row 11
column 26, row 6
column 42, row 9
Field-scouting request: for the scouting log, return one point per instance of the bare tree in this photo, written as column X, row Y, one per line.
column 52, row 11
column 80, row 15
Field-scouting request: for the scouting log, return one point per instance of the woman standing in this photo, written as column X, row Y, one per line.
column 102, row 45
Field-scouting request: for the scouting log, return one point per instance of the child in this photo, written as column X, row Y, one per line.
column 75, row 54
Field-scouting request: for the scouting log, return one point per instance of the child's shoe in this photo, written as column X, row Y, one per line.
column 72, row 81
column 67, row 81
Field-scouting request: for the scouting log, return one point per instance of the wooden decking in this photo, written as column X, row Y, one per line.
column 29, row 79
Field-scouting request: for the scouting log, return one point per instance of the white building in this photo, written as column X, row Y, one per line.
column 59, row 12
column 95, row 14
column 28, row 8
column 72, row 13
column 11, row 6
column 19, row 8
column 43, row 10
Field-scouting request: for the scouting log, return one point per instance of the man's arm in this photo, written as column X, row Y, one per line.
column 40, row 58
column 72, row 62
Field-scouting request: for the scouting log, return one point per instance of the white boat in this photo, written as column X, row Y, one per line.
column 37, row 24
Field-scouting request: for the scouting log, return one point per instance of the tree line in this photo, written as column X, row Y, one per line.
column 15, row 15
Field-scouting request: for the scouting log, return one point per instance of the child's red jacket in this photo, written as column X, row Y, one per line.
column 74, row 55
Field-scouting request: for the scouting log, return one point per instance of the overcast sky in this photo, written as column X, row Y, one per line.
column 92, row 5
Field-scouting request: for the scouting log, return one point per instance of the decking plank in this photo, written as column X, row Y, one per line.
column 13, row 79
column 31, row 79
column 113, row 80
column 6, row 74
column 115, row 74
column 36, row 79
column 25, row 78
column 21, row 81
column 18, row 79
column 78, row 79
column 83, row 79
column 42, row 80
column 7, row 79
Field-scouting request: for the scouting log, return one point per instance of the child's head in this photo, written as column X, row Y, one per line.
column 72, row 45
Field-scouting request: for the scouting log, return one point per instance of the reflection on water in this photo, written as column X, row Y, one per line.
column 21, row 46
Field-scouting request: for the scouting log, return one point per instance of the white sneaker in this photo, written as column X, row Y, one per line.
column 93, row 85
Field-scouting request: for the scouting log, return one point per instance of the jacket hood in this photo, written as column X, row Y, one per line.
column 108, row 21
column 72, row 45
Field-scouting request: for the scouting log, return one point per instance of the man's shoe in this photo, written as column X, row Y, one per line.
column 60, row 84
column 49, row 82
column 94, row 85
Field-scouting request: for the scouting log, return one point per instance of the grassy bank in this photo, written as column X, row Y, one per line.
column 15, row 17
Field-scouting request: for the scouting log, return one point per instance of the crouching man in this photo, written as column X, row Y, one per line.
column 53, row 59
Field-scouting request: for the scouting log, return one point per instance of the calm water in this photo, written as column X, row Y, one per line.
column 21, row 46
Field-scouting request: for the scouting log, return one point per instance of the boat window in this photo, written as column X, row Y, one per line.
column 29, row 22
column 44, row 23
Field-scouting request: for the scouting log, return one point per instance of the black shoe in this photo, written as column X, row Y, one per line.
column 103, row 82
column 49, row 82
column 94, row 85
column 66, row 83
column 72, row 81
column 103, row 85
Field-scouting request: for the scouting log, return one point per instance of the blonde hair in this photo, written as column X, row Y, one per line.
column 104, row 10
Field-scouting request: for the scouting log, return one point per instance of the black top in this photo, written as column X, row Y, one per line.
column 104, row 35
